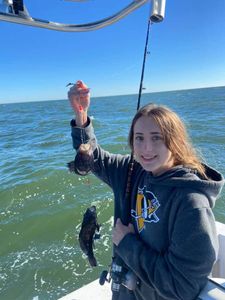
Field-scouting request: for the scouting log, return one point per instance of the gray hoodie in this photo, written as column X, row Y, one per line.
column 175, row 245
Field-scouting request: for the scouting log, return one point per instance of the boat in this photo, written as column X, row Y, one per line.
column 15, row 11
column 214, row 290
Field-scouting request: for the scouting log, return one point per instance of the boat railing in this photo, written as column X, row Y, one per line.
column 15, row 11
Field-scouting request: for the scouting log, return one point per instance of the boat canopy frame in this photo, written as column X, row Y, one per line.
column 14, row 11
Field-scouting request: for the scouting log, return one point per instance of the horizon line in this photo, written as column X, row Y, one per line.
column 183, row 89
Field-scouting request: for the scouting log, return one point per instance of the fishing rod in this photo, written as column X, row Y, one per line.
column 143, row 65
column 157, row 15
column 117, row 272
column 15, row 11
column 151, row 20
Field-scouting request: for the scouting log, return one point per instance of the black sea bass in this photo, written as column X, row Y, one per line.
column 84, row 160
column 88, row 234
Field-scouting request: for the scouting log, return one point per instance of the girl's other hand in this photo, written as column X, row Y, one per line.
column 120, row 230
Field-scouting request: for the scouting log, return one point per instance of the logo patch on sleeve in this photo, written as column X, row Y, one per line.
column 146, row 207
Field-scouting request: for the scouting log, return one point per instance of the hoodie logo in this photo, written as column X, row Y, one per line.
column 146, row 207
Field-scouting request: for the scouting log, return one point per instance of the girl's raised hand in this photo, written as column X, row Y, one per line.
column 79, row 96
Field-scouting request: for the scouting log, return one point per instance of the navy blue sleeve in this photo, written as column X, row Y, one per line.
column 110, row 168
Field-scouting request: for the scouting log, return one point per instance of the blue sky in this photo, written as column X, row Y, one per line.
column 187, row 50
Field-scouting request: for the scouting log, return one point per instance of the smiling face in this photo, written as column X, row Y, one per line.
column 149, row 146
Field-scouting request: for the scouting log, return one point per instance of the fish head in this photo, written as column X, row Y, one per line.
column 84, row 159
column 91, row 210
column 90, row 214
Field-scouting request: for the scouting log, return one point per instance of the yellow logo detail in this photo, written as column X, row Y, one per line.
column 146, row 207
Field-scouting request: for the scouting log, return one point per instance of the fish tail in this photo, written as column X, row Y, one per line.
column 92, row 261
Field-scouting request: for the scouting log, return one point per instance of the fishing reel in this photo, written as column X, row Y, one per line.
column 119, row 275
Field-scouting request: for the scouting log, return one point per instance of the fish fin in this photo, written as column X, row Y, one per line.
column 98, row 226
column 97, row 236
column 71, row 166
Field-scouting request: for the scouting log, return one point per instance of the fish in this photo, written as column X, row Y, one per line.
column 88, row 234
column 83, row 163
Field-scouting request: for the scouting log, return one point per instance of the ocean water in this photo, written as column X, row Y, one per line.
column 42, row 204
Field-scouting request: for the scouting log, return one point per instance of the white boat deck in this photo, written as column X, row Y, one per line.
column 94, row 291
column 219, row 267
column 91, row 291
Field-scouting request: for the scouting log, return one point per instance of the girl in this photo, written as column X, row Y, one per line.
column 170, row 243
